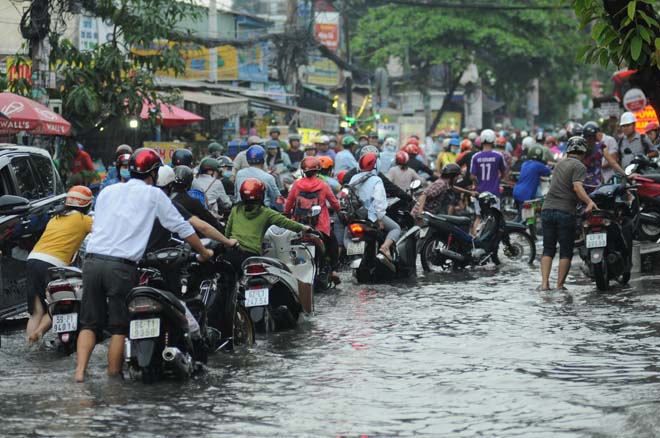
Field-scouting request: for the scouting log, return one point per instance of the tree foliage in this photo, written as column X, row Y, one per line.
column 509, row 47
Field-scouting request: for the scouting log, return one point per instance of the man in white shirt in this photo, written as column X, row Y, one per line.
column 240, row 161
column 125, row 215
column 209, row 181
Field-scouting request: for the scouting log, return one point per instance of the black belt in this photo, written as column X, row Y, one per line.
column 111, row 259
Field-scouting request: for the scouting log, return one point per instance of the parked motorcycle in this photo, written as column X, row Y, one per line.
column 278, row 286
column 648, row 192
column 64, row 295
column 449, row 245
column 608, row 232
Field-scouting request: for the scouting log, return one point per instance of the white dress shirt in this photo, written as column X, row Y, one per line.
column 124, row 216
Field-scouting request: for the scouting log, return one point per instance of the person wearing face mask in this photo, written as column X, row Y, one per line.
column 119, row 172
column 227, row 167
column 448, row 156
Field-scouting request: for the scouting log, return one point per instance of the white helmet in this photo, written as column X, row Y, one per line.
column 627, row 118
column 325, row 139
column 488, row 136
column 528, row 142
column 472, row 136
column 165, row 176
column 524, row 134
column 389, row 144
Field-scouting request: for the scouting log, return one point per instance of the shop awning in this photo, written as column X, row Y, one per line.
column 170, row 116
column 221, row 107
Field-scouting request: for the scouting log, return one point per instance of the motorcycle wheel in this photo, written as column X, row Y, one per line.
column 430, row 259
column 517, row 246
column 600, row 275
column 624, row 278
column 243, row 328
column 649, row 232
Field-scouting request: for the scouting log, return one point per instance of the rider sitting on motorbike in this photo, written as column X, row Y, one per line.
column 401, row 174
column 119, row 172
column 530, row 177
column 250, row 219
column 256, row 157
column 327, row 166
column 371, row 192
column 312, row 189
column 183, row 178
column 438, row 198
column 58, row 244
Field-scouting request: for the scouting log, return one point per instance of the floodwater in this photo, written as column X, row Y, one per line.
column 482, row 353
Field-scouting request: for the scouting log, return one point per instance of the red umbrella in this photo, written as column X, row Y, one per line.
column 24, row 114
column 170, row 116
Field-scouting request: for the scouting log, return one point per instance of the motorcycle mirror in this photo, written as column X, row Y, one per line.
column 414, row 185
column 630, row 169
column 316, row 210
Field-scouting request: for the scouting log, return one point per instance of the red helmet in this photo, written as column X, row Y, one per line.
column 551, row 140
column 466, row 145
column 413, row 140
column 123, row 160
column 79, row 196
column 402, row 157
column 144, row 160
column 252, row 190
column 341, row 175
column 650, row 126
column 368, row 162
column 411, row 149
column 310, row 164
column 501, row 141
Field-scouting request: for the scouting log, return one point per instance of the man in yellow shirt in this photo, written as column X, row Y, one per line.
column 448, row 156
column 58, row 244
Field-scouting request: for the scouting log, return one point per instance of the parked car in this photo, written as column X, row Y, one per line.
column 31, row 192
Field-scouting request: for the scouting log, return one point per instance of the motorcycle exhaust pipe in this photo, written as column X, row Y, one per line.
column 174, row 356
column 452, row 254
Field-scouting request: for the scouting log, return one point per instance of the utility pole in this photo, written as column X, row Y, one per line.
column 348, row 75
column 40, row 50
column 213, row 33
column 290, row 27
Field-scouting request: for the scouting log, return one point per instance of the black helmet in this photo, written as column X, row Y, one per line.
column 182, row 157
column 590, row 129
column 225, row 162
column 576, row 145
column 573, row 129
column 451, row 169
column 183, row 177
column 487, row 200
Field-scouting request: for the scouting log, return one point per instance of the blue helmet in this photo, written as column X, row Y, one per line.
column 454, row 141
column 255, row 155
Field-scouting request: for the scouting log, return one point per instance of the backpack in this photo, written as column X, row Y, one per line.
column 351, row 206
column 199, row 195
column 302, row 210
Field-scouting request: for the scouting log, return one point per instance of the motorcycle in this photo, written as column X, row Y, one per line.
column 278, row 286
column 531, row 211
column 449, row 245
column 608, row 234
column 648, row 192
column 64, row 295
column 167, row 336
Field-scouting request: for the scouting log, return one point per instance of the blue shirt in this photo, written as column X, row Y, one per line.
column 528, row 182
column 386, row 161
column 344, row 160
column 272, row 192
column 329, row 153
column 372, row 194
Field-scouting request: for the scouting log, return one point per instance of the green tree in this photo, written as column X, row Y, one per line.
column 510, row 47
column 624, row 33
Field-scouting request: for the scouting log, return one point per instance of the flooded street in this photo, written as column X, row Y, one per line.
column 481, row 353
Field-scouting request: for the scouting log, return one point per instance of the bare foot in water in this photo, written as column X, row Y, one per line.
column 79, row 376
column 34, row 337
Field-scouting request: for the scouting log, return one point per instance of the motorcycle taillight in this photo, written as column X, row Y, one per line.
column 595, row 220
column 255, row 269
column 59, row 287
column 357, row 230
column 527, row 204
column 144, row 305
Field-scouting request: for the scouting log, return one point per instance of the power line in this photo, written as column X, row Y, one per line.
column 481, row 6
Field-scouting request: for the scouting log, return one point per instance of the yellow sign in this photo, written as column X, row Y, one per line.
column 164, row 148
column 643, row 117
column 449, row 121
column 306, row 135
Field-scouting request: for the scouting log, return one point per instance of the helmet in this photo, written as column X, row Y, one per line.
column 576, row 145
column 411, row 149
column 325, row 139
column 183, row 157
column 326, row 163
column 368, row 162
column 209, row 164
column 310, row 164
column 348, row 140
column 627, row 118
column 363, row 136
column 143, row 161
column 341, row 175
column 472, row 136
column 402, row 157
column 500, row 141
column 487, row 200
column 252, row 190
column 123, row 160
column 369, row 149
column 373, row 134
column 528, row 142
column 310, row 147
column 79, row 196
column 466, row 145
column 274, row 130
column 590, row 129
column 316, row 139
column 183, row 177
column 255, row 155
column 488, row 136
column 225, row 162
column 413, row 140
column 123, row 149
column 273, row 144
column 165, row 176
column 551, row 140
column 293, row 137
column 451, row 169
column 523, row 133
column 651, row 126
column 389, row 144
column 536, row 152
column 454, row 141
column 215, row 147
column 575, row 129
column 253, row 139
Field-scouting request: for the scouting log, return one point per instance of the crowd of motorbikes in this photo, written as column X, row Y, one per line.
column 183, row 310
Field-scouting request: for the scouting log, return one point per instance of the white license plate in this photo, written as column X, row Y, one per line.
column 355, row 248
column 66, row 322
column 598, row 240
column 145, row 328
column 424, row 231
column 256, row 297
column 527, row 213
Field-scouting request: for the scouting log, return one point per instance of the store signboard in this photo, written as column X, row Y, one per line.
column 164, row 148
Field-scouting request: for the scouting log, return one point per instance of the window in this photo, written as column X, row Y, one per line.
column 26, row 184
column 6, row 185
column 48, row 181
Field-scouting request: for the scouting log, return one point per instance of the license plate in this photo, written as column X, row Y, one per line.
column 66, row 322
column 355, row 248
column 527, row 213
column 256, row 297
column 598, row 240
column 424, row 231
column 145, row 328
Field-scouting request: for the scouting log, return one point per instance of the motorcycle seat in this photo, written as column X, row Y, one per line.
column 158, row 294
column 65, row 272
column 268, row 261
column 655, row 177
column 456, row 220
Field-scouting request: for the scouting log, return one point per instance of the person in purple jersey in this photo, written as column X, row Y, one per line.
column 487, row 167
